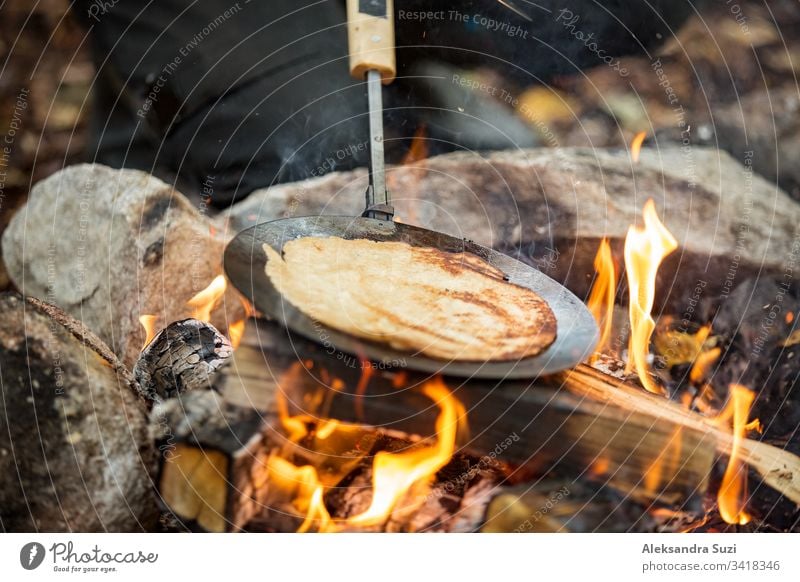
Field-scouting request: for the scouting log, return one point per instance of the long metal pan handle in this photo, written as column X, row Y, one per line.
column 370, row 33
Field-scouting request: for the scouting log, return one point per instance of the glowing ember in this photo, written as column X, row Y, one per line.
column 601, row 298
column 733, row 491
column 393, row 474
column 206, row 300
column 149, row 324
column 645, row 248
column 636, row 145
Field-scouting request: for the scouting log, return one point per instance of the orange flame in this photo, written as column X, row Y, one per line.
column 645, row 248
column 303, row 486
column 601, row 298
column 733, row 490
column 361, row 388
column 235, row 332
column 206, row 300
column 295, row 426
column 702, row 365
column 395, row 473
column 636, row 145
column 149, row 324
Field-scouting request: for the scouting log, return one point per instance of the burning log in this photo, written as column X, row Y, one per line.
column 778, row 468
column 536, row 424
column 212, row 473
column 108, row 246
column 182, row 357
column 523, row 203
column 639, row 443
column 75, row 453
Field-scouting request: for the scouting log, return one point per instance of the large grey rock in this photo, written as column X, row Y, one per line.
column 75, row 449
column 110, row 245
column 551, row 207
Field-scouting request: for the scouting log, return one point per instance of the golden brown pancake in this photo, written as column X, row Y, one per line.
column 453, row 306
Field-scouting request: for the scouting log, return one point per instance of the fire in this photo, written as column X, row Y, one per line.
column 361, row 388
column 636, row 145
column 733, row 490
column 303, row 486
column 601, row 298
column 235, row 332
column 395, row 473
column 412, row 175
column 149, row 324
column 206, row 300
column 645, row 248
column 702, row 365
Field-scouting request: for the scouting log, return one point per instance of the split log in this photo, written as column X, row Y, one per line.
column 551, row 207
column 212, row 474
column 108, row 246
column 75, row 452
column 182, row 357
column 778, row 468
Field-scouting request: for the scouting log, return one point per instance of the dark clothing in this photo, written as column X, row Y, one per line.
column 258, row 92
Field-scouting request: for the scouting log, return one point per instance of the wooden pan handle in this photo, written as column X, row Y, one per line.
column 370, row 35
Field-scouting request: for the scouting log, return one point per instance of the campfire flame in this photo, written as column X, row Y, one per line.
column 636, row 146
column 733, row 490
column 149, row 324
column 645, row 248
column 304, row 487
column 601, row 298
column 393, row 474
column 206, row 300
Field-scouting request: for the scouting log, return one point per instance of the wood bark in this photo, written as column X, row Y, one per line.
column 183, row 356
column 75, row 452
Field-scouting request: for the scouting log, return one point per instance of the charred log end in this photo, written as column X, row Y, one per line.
column 182, row 357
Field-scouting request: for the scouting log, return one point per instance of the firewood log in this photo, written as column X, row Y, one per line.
column 75, row 452
column 183, row 356
column 212, row 473
column 109, row 245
